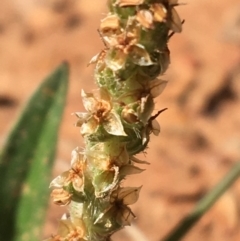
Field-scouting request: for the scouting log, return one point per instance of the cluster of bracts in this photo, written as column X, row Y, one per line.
column 118, row 120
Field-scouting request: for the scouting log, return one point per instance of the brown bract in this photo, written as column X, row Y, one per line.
column 145, row 18
column 121, row 198
column 123, row 3
column 159, row 12
column 110, row 24
column 73, row 230
column 165, row 12
column 61, row 197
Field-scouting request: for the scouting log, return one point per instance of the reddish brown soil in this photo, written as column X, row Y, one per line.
column 200, row 131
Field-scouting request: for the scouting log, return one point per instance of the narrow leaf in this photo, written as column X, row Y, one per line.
column 204, row 205
column 26, row 161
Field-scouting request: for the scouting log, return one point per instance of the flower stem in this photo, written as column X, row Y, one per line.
column 119, row 119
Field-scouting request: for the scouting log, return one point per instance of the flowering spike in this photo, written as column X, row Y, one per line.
column 118, row 120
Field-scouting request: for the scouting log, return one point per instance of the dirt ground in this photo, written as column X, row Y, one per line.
column 200, row 131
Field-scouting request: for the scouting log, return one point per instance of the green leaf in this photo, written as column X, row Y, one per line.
column 204, row 205
column 27, row 158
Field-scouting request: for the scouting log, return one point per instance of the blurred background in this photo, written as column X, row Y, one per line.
column 200, row 131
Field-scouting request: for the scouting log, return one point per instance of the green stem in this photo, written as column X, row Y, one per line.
column 204, row 205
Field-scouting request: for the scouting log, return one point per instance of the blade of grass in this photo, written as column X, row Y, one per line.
column 26, row 160
column 204, row 204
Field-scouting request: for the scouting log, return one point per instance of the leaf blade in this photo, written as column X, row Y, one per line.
column 27, row 158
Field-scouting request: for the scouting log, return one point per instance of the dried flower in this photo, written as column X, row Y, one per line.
column 73, row 176
column 100, row 112
column 69, row 230
column 167, row 13
column 120, row 200
column 123, row 44
column 118, row 209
